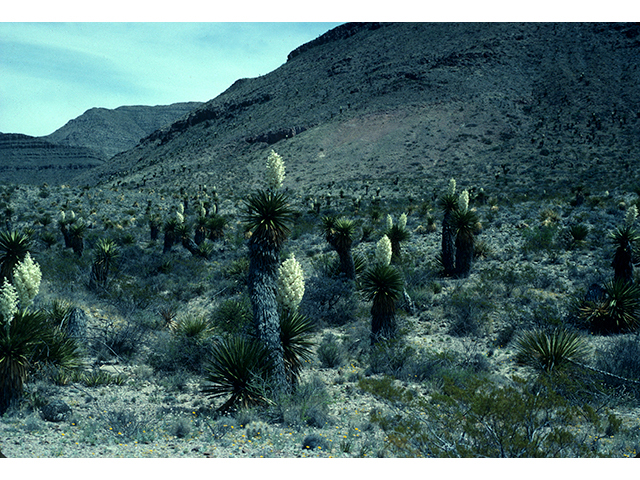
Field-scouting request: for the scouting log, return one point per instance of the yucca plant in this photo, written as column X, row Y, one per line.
column 14, row 246
column 28, row 341
column 192, row 327
column 397, row 233
column 215, row 225
column 76, row 237
column 170, row 235
column 548, row 351
column 618, row 310
column 295, row 330
column 623, row 238
column 268, row 216
column 464, row 224
column 448, row 203
column 339, row 233
column 383, row 285
column 238, row 367
column 106, row 253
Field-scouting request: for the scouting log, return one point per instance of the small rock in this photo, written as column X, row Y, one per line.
column 55, row 411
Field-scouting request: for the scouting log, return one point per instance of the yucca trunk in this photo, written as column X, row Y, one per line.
column 464, row 253
column 264, row 260
column 383, row 319
column 169, row 239
column 347, row 265
column 623, row 263
column 65, row 234
column 448, row 247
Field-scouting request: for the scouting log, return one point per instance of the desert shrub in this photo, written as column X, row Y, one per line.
column 175, row 351
column 97, row 378
column 234, row 316
column 331, row 352
column 621, row 358
column 468, row 311
column 126, row 424
column 390, row 357
column 306, row 405
column 482, row 419
column 329, row 300
column 180, row 427
column 540, row 238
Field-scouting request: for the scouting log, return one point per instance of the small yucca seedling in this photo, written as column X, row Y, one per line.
column 550, row 351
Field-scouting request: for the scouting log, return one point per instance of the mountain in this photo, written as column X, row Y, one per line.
column 536, row 105
column 111, row 131
column 83, row 143
column 33, row 160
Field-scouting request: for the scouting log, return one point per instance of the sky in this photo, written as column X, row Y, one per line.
column 51, row 73
column 59, row 59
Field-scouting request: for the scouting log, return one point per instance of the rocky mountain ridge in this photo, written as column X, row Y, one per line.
column 415, row 103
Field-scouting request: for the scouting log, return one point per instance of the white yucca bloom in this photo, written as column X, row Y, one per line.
column 452, row 187
column 275, row 170
column 389, row 223
column 632, row 214
column 383, row 251
column 179, row 218
column 402, row 222
column 463, row 201
column 203, row 212
column 181, row 208
column 62, row 216
column 290, row 283
column 27, row 277
column 8, row 302
column 72, row 214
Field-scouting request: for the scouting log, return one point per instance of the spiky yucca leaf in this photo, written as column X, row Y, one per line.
column 624, row 235
column 295, row 330
column 268, row 215
column 14, row 246
column 549, row 350
column 236, row 368
column 381, row 283
column 617, row 311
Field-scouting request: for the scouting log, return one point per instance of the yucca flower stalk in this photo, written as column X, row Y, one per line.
column 8, row 303
column 448, row 203
column 275, row 171
column 397, row 233
column 267, row 215
column 383, row 251
column 290, row 284
column 26, row 279
column 339, row 233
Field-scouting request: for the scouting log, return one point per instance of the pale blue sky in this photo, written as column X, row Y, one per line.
column 53, row 72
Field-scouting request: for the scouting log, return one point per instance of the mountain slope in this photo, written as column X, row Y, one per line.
column 534, row 105
column 33, row 160
column 111, row 131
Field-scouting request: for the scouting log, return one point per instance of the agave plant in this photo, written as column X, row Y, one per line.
column 618, row 310
column 550, row 351
column 339, row 233
column 296, row 343
column 14, row 246
column 383, row 285
column 237, row 368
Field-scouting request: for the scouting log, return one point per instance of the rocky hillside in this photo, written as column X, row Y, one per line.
column 534, row 106
column 111, row 131
column 26, row 159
